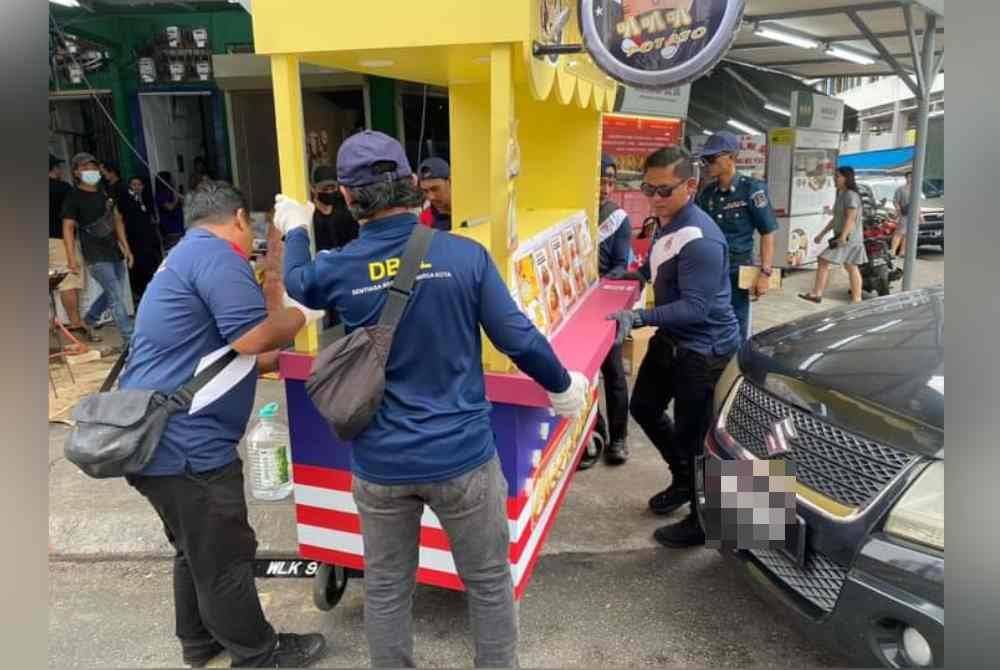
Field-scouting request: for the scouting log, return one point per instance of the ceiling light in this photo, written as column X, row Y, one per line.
column 376, row 63
column 785, row 35
column 65, row 3
column 706, row 131
column 849, row 55
column 777, row 110
column 749, row 130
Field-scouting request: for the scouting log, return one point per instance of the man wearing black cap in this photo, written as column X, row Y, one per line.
column 615, row 233
column 739, row 206
column 431, row 441
column 333, row 224
column 435, row 182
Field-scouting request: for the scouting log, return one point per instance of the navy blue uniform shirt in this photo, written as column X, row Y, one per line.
column 434, row 421
column 203, row 297
column 615, row 234
column 738, row 211
column 688, row 264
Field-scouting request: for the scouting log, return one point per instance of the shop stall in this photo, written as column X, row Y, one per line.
column 525, row 128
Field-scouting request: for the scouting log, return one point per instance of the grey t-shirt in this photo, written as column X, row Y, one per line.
column 847, row 200
column 902, row 198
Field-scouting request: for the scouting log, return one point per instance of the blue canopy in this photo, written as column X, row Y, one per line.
column 881, row 159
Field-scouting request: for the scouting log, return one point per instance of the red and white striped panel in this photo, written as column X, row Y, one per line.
column 329, row 527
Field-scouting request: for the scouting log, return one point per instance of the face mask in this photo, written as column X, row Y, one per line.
column 90, row 177
column 328, row 198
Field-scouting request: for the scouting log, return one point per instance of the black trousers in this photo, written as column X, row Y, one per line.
column 686, row 378
column 616, row 393
column 215, row 597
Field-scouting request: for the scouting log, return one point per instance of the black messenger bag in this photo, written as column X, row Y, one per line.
column 116, row 432
column 348, row 377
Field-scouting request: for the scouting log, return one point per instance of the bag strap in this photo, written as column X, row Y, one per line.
column 402, row 287
column 185, row 394
column 116, row 369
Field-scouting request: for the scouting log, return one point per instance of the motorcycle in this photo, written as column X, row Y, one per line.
column 878, row 224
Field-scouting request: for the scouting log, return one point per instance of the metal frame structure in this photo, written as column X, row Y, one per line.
column 898, row 20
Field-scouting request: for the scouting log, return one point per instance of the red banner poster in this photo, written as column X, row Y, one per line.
column 628, row 140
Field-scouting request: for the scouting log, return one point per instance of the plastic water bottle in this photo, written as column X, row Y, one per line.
column 269, row 456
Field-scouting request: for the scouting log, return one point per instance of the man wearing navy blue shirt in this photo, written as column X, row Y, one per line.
column 431, row 441
column 615, row 234
column 202, row 301
column 739, row 206
column 697, row 332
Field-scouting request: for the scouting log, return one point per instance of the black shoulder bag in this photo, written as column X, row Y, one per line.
column 348, row 377
column 116, row 432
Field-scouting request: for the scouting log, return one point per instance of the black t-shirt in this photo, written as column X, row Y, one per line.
column 85, row 207
column 58, row 190
column 140, row 230
column 335, row 229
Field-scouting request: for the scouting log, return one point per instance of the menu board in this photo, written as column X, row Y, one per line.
column 553, row 270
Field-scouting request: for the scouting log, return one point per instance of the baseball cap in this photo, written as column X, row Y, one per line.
column 81, row 158
column 369, row 157
column 607, row 162
column 54, row 161
column 434, row 168
column 324, row 175
column 721, row 142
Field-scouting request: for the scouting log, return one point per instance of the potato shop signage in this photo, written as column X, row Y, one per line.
column 658, row 43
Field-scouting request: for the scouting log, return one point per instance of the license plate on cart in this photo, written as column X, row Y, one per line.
column 289, row 568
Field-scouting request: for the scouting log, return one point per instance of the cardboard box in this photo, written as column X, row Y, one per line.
column 634, row 349
column 749, row 273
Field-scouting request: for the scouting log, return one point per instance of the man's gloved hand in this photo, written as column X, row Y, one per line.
column 310, row 314
column 618, row 273
column 627, row 320
column 290, row 214
column 571, row 402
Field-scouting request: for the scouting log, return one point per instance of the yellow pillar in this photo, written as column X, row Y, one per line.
column 501, row 117
column 290, row 126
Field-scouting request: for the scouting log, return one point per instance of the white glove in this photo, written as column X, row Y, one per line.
column 290, row 214
column 310, row 314
column 571, row 402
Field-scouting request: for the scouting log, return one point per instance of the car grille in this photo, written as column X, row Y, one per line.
column 850, row 469
column 935, row 217
column 819, row 582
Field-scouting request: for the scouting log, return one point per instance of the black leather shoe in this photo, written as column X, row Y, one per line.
column 203, row 656
column 669, row 499
column 685, row 533
column 298, row 651
column 616, row 453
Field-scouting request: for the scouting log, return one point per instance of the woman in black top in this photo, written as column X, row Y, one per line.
column 138, row 212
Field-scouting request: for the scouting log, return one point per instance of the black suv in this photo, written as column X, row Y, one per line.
column 854, row 397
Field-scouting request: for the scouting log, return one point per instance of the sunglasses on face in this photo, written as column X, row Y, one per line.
column 663, row 191
column 708, row 160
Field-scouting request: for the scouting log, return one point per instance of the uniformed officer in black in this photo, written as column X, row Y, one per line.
column 739, row 205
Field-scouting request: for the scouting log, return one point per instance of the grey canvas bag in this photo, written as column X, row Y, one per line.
column 348, row 377
column 116, row 432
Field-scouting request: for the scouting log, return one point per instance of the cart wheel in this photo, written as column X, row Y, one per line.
column 329, row 585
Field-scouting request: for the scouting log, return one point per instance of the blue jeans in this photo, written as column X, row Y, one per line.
column 111, row 277
column 741, row 305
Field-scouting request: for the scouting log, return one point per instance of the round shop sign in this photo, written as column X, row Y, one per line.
column 658, row 43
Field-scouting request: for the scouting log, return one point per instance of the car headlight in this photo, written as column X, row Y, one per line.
column 730, row 375
column 919, row 514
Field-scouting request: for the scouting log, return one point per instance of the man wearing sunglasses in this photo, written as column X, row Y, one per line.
column 697, row 332
column 739, row 206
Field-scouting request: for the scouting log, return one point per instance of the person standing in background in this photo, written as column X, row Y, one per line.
column 739, row 206
column 143, row 238
column 113, row 184
column 333, row 224
column 901, row 201
column 170, row 210
column 435, row 182
column 69, row 287
column 615, row 234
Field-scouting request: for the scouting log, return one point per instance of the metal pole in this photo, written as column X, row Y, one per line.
column 920, row 155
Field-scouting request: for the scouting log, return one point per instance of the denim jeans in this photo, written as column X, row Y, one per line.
column 111, row 277
column 473, row 512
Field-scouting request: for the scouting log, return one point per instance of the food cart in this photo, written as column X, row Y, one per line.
column 525, row 137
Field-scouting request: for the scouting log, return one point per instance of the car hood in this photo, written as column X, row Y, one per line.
column 883, row 357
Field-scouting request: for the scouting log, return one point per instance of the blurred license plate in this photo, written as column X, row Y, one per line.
column 878, row 261
column 795, row 542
